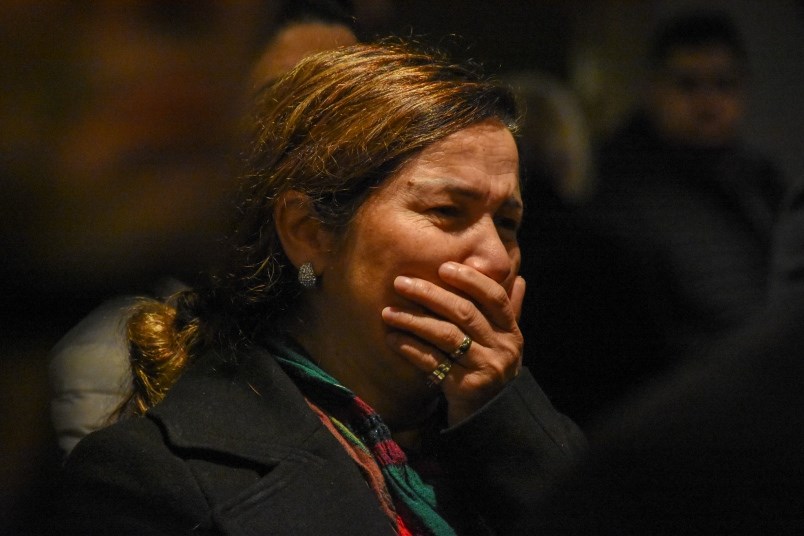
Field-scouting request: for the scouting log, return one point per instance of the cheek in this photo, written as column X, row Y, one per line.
column 383, row 250
column 515, row 254
column 416, row 254
column 672, row 111
column 516, row 258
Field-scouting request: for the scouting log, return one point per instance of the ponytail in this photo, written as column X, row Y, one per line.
column 161, row 336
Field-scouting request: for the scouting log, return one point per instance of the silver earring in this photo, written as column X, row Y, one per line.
column 307, row 277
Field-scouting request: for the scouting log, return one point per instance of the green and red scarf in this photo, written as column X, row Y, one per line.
column 406, row 498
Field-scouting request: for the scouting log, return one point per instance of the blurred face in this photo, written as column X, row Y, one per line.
column 140, row 173
column 296, row 42
column 697, row 97
column 458, row 200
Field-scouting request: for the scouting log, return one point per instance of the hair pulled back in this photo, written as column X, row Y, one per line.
column 334, row 127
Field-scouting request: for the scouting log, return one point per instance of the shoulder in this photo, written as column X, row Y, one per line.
column 130, row 448
column 124, row 479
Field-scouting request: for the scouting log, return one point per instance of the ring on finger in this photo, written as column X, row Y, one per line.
column 461, row 350
column 439, row 373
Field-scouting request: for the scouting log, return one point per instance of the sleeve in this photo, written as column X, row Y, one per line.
column 506, row 457
column 124, row 481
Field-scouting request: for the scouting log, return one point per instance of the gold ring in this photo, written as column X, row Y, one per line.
column 462, row 348
column 439, row 373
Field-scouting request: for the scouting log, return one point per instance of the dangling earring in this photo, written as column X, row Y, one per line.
column 307, row 277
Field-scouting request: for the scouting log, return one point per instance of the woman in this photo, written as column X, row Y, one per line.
column 357, row 369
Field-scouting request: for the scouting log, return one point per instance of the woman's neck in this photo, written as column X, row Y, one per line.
column 403, row 408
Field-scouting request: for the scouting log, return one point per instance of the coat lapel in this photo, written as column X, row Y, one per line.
column 264, row 460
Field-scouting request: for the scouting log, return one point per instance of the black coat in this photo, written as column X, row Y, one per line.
column 239, row 452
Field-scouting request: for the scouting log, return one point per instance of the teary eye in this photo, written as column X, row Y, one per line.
column 508, row 227
column 511, row 224
column 447, row 211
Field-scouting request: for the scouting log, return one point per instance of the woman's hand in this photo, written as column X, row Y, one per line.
column 478, row 307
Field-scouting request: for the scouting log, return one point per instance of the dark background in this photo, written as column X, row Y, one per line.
column 114, row 119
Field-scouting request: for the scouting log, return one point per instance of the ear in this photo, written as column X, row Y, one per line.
column 303, row 236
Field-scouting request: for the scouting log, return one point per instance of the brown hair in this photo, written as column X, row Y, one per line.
column 334, row 127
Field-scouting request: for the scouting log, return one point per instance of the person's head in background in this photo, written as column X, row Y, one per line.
column 302, row 27
column 143, row 170
column 698, row 67
column 554, row 138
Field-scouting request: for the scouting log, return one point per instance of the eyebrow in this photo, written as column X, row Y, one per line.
column 453, row 187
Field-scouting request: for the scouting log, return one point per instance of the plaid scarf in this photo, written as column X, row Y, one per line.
column 361, row 428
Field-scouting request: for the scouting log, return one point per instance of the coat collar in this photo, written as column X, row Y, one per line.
column 237, row 409
column 253, row 411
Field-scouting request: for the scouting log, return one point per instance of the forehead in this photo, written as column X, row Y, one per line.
column 706, row 57
column 483, row 156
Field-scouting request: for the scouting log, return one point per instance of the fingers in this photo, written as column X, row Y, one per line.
column 444, row 336
column 489, row 296
column 467, row 304
column 517, row 296
column 447, row 316
column 444, row 304
column 488, row 301
column 422, row 355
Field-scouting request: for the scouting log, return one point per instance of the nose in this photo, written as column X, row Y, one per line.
column 489, row 254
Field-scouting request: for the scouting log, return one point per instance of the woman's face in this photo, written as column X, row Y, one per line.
column 458, row 200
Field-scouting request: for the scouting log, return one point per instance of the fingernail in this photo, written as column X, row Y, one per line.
column 404, row 282
column 389, row 312
column 449, row 267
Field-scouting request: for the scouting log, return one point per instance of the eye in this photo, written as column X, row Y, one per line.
column 508, row 223
column 509, row 226
column 446, row 211
column 449, row 217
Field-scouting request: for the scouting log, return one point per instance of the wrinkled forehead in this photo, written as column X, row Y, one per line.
column 481, row 158
column 488, row 144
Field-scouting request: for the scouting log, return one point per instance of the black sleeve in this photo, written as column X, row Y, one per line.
column 507, row 456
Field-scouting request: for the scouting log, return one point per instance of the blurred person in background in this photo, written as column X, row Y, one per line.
column 678, row 183
column 142, row 165
column 714, row 446
column 682, row 216
column 572, row 279
column 89, row 372
column 120, row 119
column 95, row 96
column 554, row 139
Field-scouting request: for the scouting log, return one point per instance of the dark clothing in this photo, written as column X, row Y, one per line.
column 707, row 215
column 716, row 447
column 585, row 318
column 670, row 254
column 787, row 266
column 237, row 450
